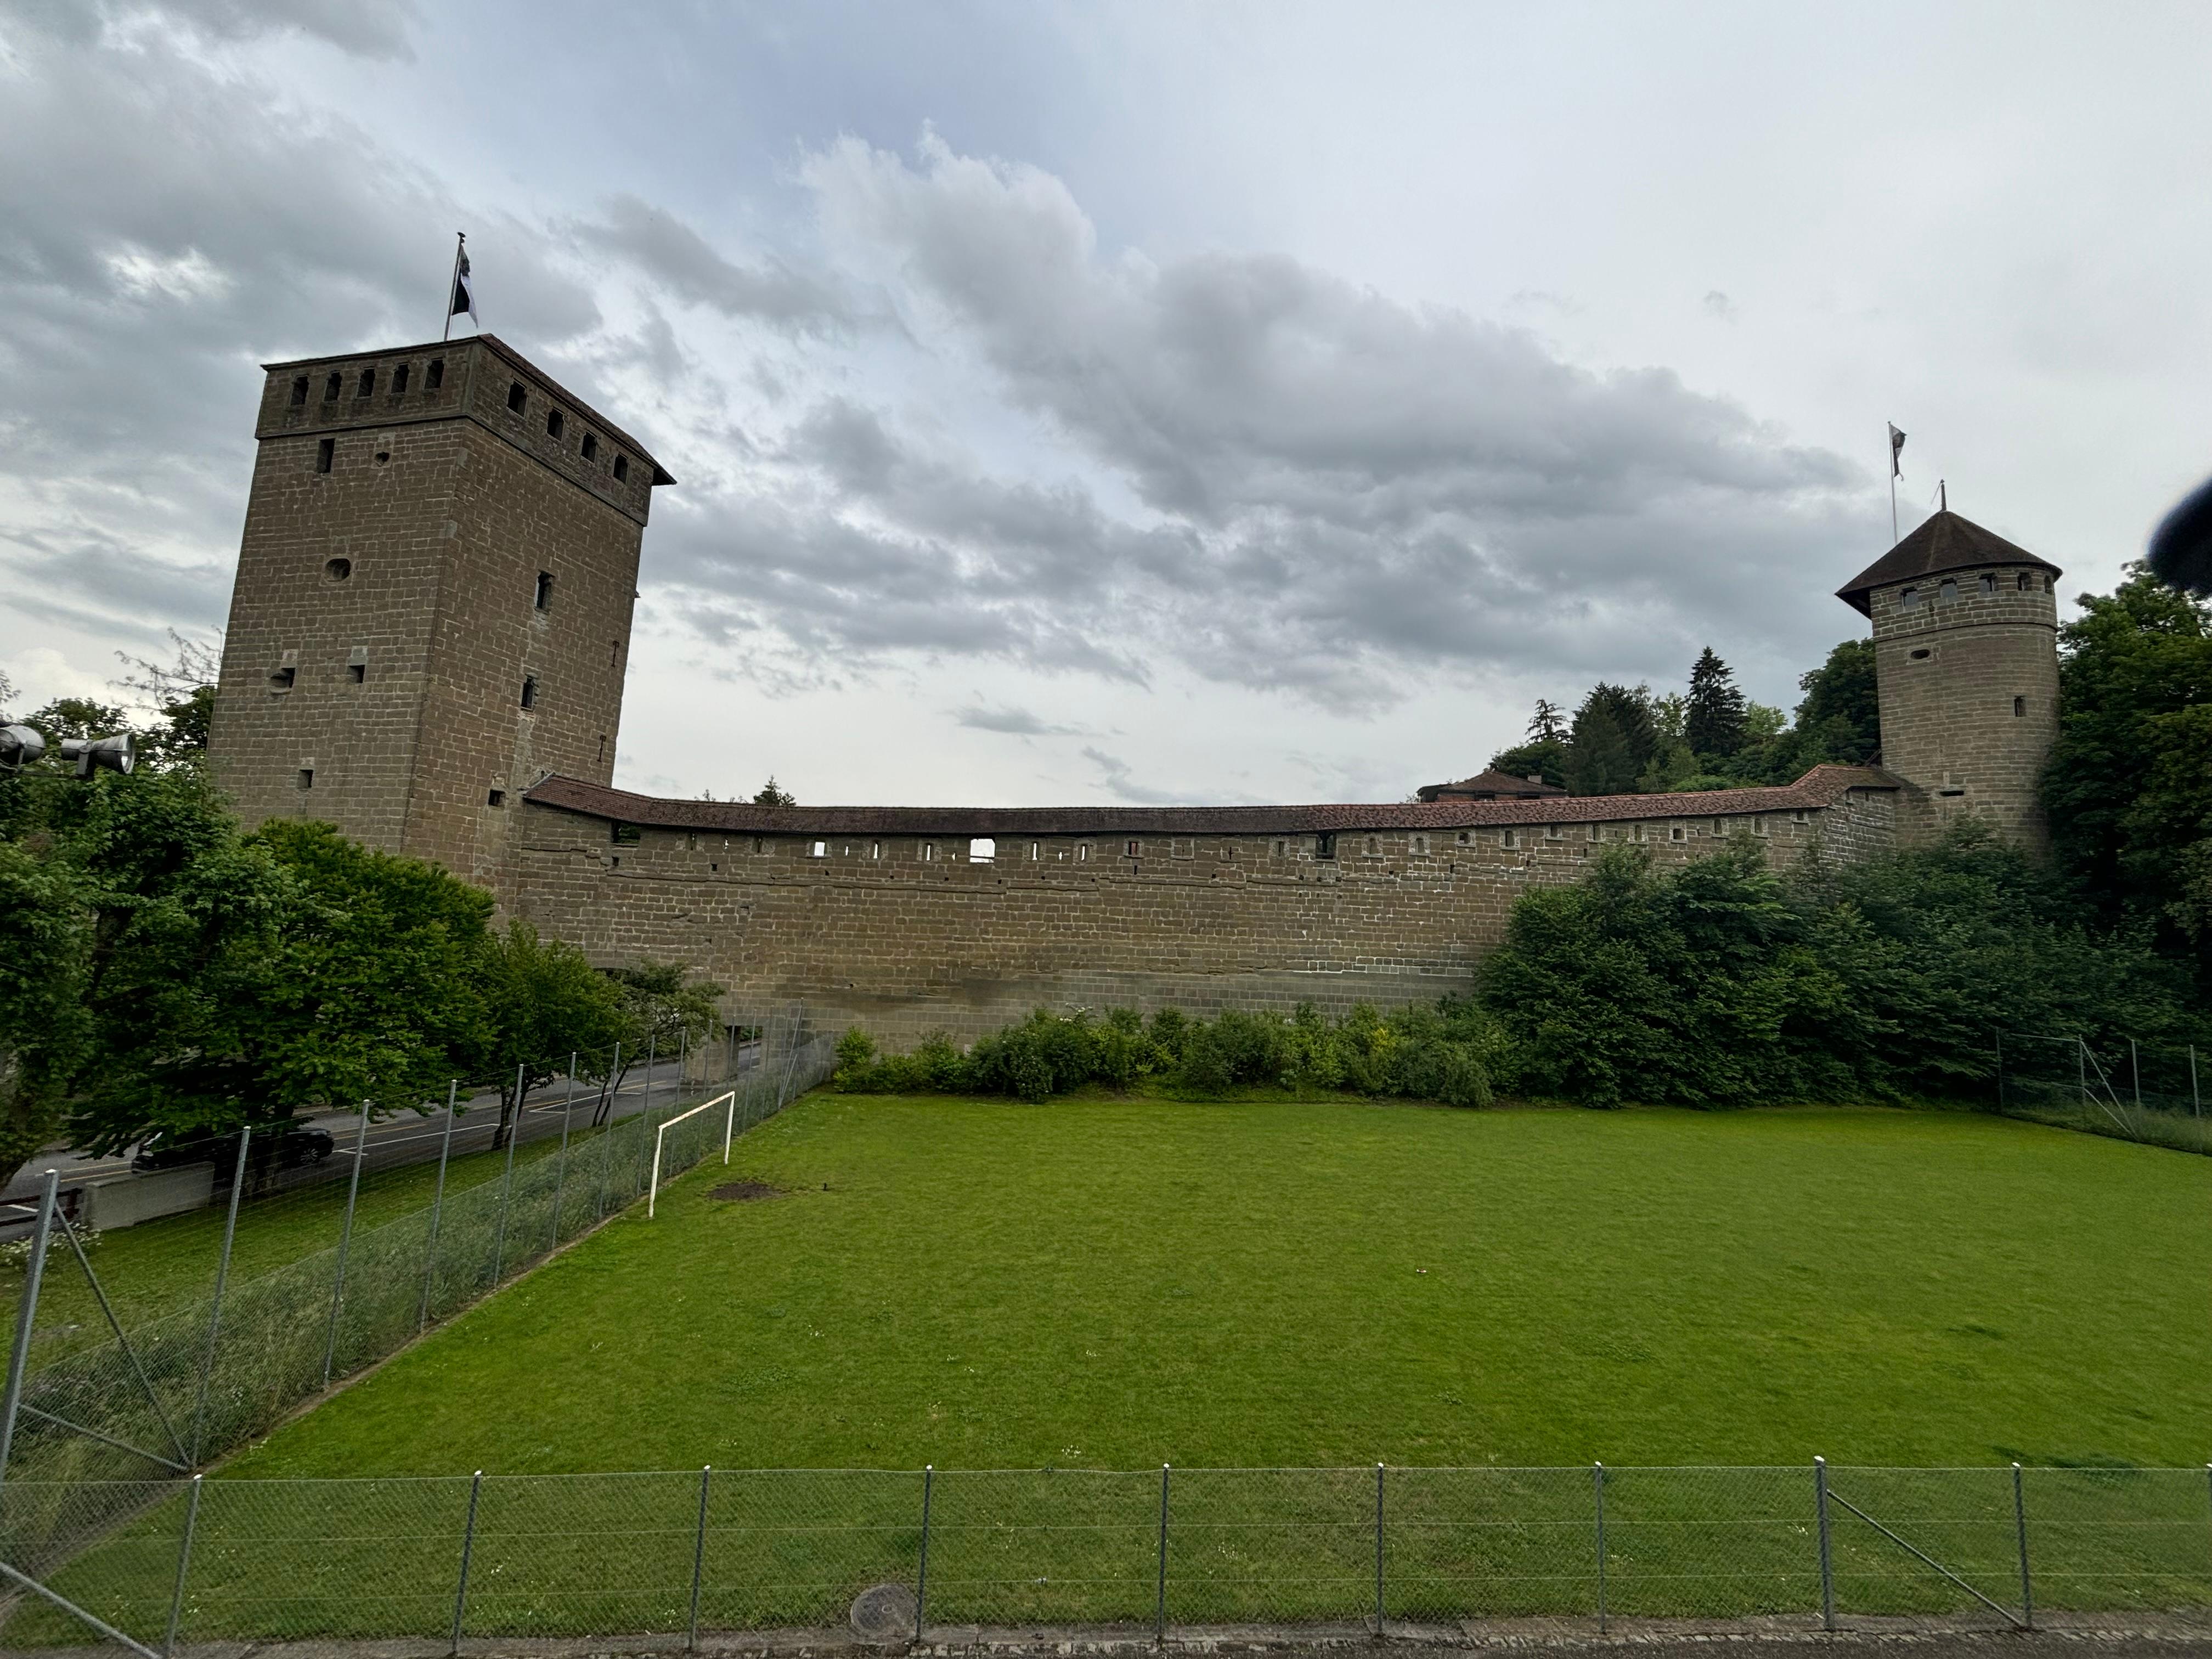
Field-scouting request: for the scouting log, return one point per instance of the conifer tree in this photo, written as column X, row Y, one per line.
column 1714, row 723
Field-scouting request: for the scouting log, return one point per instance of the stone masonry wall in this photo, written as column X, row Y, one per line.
column 908, row 935
column 1969, row 690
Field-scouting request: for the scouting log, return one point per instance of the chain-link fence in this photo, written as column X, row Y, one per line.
column 110, row 1401
column 672, row 1555
column 2146, row 1091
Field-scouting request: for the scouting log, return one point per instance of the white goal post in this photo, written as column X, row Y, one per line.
column 660, row 1137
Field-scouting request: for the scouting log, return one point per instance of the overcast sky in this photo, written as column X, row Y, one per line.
column 1138, row 403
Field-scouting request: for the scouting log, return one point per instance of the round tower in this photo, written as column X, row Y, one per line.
column 1965, row 639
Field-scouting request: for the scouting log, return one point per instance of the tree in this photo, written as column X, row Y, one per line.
column 769, row 795
column 46, row 942
column 182, row 693
column 1547, row 724
column 664, row 1010
column 76, row 717
column 1543, row 757
column 1713, row 724
column 1840, row 714
column 2128, row 785
column 543, row 1000
column 1613, row 740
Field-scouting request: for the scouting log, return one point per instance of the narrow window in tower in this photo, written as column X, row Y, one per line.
column 434, row 376
column 1947, row 591
column 614, row 651
column 603, row 745
column 875, row 849
column 307, row 777
column 929, row 851
column 399, row 381
column 529, row 690
column 1325, row 847
column 1510, row 839
column 331, row 387
column 1131, row 849
column 1908, row 599
column 591, row 446
column 1083, row 852
column 622, row 468
column 284, row 678
column 820, row 849
column 2019, row 708
column 495, row 798
column 326, row 450
column 1988, row 582
column 544, row 601
column 1034, row 850
column 298, row 391
column 554, row 424
column 357, row 672
column 517, row 398
column 2026, row 582
column 367, row 385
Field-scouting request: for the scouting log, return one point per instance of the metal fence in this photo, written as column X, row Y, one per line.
column 115, row 1404
column 669, row 1557
column 2143, row 1091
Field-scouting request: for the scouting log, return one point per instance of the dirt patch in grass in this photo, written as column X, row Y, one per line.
column 739, row 1192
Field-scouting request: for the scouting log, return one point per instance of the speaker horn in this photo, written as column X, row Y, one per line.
column 118, row 754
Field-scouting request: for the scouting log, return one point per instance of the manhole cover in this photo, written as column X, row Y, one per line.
column 738, row 1191
column 884, row 1613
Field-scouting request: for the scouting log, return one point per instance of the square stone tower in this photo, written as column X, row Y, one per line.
column 1965, row 639
column 434, row 597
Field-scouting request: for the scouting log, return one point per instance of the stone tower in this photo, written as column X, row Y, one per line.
column 432, row 602
column 1967, row 664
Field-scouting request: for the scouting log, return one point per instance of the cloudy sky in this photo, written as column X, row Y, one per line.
column 1141, row 402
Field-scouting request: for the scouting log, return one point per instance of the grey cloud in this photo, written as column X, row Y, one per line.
column 666, row 249
column 378, row 31
column 1718, row 304
column 1013, row 722
column 1342, row 489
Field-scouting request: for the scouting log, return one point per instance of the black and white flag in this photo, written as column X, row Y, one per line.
column 1896, row 438
column 464, row 299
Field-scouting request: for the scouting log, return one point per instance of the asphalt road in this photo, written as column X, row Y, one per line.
column 409, row 1137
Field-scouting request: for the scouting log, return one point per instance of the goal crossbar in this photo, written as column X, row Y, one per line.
column 660, row 1139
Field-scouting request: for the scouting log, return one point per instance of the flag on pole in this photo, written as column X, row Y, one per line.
column 1896, row 438
column 464, row 299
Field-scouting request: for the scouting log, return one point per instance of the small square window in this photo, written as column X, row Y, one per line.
column 819, row 849
column 625, row 835
column 591, row 446
column 1677, row 832
column 399, row 381
column 622, row 468
column 1466, row 838
column 982, row 849
column 1509, row 839
column 517, row 398
column 1798, row 817
column 495, row 798
column 928, row 852
column 300, row 396
column 1131, row 849
column 1988, row 582
column 1373, row 846
column 357, row 672
column 331, row 387
column 2026, row 583
column 1597, row 832
column 284, row 678
column 307, row 777
column 1325, row 846
column 554, row 424
column 1554, row 832
column 367, row 385
column 326, row 450
column 434, row 376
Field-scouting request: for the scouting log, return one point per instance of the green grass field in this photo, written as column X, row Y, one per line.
column 1112, row 1284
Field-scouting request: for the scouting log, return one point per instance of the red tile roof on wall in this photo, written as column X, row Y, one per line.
column 1822, row 787
column 1945, row 542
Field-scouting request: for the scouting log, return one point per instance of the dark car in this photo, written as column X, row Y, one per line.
column 297, row 1144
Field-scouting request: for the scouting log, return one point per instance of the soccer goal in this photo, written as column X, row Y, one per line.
column 729, row 1104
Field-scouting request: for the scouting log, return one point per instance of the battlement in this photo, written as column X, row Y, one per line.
column 479, row 379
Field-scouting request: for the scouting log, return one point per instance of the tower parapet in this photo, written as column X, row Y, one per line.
column 1967, row 670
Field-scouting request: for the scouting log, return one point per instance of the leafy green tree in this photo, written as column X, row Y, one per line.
column 75, row 717
column 543, row 1000
column 46, row 944
column 2129, row 785
column 1600, row 761
column 1840, row 712
column 769, row 795
column 1543, row 751
column 664, row 1010
column 1713, row 724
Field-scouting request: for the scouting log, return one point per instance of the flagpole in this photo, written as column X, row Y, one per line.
column 453, row 283
column 1892, row 486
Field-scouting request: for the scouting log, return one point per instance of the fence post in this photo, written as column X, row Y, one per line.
column 437, row 1208
column 19, row 1357
column 561, row 1175
column 607, row 1135
column 698, row 1557
column 1828, row 1561
column 184, row 1564
column 2000, row 1093
column 921, row 1573
column 1597, row 1488
column 468, row 1547
column 2196, row 1102
column 506, row 1181
column 2019, row 1528
column 1160, row 1605
column 2081, row 1073
column 215, row 1310
column 1378, row 1551
column 345, row 1243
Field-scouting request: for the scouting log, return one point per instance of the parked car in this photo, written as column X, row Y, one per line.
column 297, row 1144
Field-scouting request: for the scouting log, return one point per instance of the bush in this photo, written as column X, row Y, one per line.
column 1444, row 1053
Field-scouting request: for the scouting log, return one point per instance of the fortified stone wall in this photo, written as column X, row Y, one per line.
column 908, row 934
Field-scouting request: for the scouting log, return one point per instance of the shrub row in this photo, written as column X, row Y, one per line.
column 1443, row 1053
